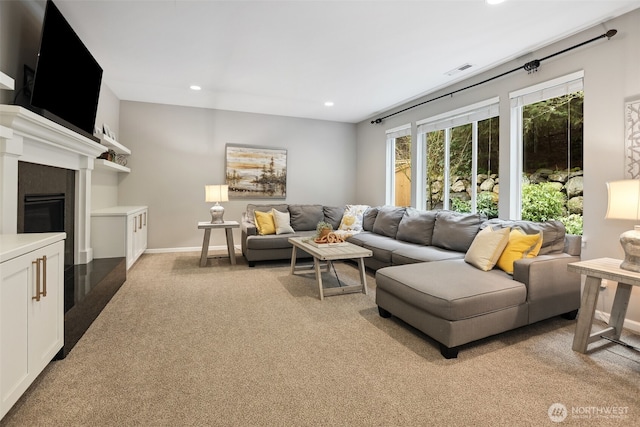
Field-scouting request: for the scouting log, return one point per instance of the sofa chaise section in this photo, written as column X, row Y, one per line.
column 456, row 303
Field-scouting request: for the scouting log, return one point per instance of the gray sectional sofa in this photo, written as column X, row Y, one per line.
column 304, row 219
column 423, row 279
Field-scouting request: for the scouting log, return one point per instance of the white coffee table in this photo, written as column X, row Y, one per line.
column 330, row 254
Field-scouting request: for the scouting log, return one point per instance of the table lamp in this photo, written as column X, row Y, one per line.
column 216, row 193
column 624, row 203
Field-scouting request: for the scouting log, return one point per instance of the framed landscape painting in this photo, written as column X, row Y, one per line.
column 256, row 172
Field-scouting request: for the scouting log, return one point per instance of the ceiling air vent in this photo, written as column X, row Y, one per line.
column 458, row 69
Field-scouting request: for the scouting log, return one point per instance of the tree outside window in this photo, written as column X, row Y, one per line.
column 552, row 186
column 461, row 187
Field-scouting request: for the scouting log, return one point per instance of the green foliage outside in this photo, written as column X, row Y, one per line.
column 542, row 202
column 485, row 205
column 573, row 224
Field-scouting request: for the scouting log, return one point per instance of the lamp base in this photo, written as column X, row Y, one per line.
column 217, row 212
column 630, row 242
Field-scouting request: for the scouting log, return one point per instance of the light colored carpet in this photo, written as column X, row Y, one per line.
column 237, row 346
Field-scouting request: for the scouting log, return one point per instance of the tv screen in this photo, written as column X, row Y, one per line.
column 67, row 78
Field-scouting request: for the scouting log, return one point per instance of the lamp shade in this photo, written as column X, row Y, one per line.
column 624, row 199
column 216, row 193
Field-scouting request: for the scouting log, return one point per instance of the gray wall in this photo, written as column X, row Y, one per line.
column 611, row 76
column 20, row 27
column 176, row 151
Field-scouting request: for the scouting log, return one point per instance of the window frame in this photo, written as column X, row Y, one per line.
column 518, row 99
column 470, row 114
column 391, row 136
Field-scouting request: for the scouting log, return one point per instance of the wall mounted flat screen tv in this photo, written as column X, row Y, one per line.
column 67, row 78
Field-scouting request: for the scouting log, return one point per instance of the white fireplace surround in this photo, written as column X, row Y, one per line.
column 28, row 137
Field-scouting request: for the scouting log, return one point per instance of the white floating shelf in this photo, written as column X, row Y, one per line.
column 6, row 82
column 111, row 166
column 114, row 145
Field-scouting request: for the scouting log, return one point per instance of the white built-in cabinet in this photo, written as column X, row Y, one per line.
column 119, row 231
column 31, row 309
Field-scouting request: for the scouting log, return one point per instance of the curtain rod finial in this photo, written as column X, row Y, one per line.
column 376, row 121
column 611, row 33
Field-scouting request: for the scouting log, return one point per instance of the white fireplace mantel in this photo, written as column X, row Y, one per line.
column 29, row 137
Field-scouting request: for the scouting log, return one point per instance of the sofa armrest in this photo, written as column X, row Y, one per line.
column 247, row 229
column 551, row 288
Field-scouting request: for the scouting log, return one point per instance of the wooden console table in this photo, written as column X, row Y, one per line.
column 207, row 226
column 595, row 270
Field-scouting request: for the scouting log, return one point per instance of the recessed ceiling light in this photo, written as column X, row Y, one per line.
column 328, row 104
column 495, row 1
column 195, row 87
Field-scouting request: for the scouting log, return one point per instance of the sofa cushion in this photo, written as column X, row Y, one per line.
column 387, row 221
column 452, row 289
column 410, row 253
column 487, row 247
column 352, row 218
column 416, row 226
column 305, row 217
column 369, row 218
column 381, row 246
column 455, row 230
column 265, row 223
column 282, row 221
column 275, row 241
column 251, row 208
column 333, row 215
column 520, row 246
column 553, row 232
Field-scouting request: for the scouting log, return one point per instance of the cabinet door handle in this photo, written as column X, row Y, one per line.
column 37, row 263
column 140, row 219
column 145, row 218
column 44, row 275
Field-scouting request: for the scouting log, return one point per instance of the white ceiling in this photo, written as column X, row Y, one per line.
column 289, row 57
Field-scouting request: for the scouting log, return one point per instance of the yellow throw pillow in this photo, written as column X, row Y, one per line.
column 486, row 248
column 520, row 246
column 265, row 223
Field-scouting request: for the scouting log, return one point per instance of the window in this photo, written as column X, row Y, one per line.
column 549, row 143
column 461, row 150
column 399, row 169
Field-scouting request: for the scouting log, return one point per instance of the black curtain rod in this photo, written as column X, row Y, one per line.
column 530, row 67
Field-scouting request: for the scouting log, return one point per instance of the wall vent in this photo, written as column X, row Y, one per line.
column 458, row 69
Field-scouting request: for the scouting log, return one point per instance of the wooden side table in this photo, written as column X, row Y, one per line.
column 595, row 270
column 207, row 227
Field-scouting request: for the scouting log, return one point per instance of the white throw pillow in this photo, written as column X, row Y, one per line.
column 352, row 218
column 283, row 222
column 486, row 248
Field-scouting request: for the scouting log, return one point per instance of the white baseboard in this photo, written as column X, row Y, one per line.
column 631, row 325
column 188, row 249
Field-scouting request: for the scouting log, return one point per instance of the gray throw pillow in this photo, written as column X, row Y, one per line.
column 416, row 226
column 305, row 217
column 455, row 231
column 553, row 232
column 369, row 218
column 333, row 215
column 387, row 221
